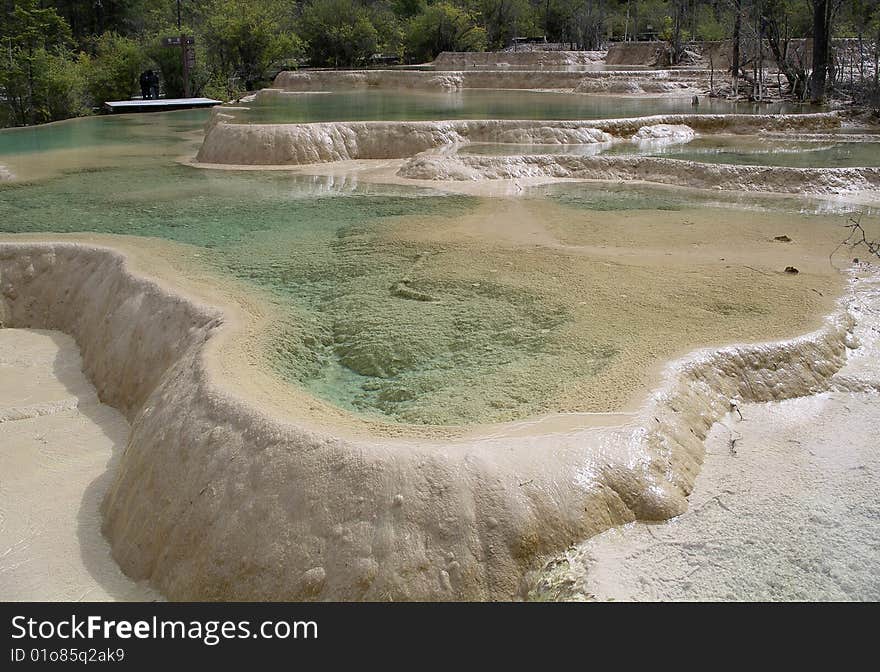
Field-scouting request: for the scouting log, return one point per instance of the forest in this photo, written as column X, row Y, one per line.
column 63, row 59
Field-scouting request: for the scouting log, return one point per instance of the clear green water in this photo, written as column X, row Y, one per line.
column 373, row 320
column 775, row 153
column 742, row 150
column 325, row 251
column 475, row 104
column 93, row 133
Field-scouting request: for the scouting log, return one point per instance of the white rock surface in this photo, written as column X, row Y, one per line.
column 663, row 134
column 58, row 449
column 296, row 144
column 218, row 497
column 468, row 59
column 775, row 179
column 596, row 81
column 787, row 511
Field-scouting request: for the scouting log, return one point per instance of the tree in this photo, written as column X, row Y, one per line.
column 38, row 78
column 113, row 73
column 674, row 31
column 443, row 27
column 777, row 21
column 823, row 19
column 505, row 19
column 168, row 60
column 244, row 38
column 338, row 32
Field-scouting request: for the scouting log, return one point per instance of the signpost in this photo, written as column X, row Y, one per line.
column 187, row 56
column 187, row 51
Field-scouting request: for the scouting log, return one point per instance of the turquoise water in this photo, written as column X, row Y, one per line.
column 475, row 104
column 326, row 252
column 91, row 133
column 380, row 312
column 742, row 150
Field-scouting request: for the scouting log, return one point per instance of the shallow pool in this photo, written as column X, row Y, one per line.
column 413, row 305
column 740, row 150
column 476, row 104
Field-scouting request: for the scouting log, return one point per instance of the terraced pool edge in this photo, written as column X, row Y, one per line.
column 218, row 499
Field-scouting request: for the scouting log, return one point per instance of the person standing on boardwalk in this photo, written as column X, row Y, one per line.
column 154, row 84
column 145, row 82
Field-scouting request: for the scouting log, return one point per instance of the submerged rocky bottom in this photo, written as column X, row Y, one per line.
column 433, row 309
column 410, row 305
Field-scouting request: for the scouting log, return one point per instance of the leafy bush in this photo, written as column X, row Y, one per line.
column 112, row 74
column 41, row 86
column 224, row 88
column 443, row 27
column 244, row 38
column 338, row 32
column 39, row 81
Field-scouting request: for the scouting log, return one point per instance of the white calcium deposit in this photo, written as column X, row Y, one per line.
column 647, row 81
column 59, row 448
column 785, row 507
column 298, row 144
column 219, row 497
column 774, row 179
column 5, row 173
column 449, row 60
column 663, row 134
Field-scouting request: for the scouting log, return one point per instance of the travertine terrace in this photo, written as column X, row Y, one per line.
column 215, row 498
column 236, row 484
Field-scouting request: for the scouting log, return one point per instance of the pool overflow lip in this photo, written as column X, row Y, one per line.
column 220, row 496
column 203, row 464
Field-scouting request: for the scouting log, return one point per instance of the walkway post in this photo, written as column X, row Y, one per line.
column 183, row 55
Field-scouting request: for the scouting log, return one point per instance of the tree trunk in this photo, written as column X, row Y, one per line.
column 779, row 44
column 735, row 58
column 821, row 44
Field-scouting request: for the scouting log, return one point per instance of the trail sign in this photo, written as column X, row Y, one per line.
column 186, row 43
column 177, row 40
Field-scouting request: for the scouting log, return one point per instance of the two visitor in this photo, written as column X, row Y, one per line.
column 149, row 81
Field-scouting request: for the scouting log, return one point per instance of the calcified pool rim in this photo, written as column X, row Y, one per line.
column 221, row 495
column 428, row 151
column 304, row 143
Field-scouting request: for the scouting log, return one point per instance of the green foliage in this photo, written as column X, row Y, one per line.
column 443, row 27
column 390, row 29
column 243, row 39
column 169, row 61
column 40, row 87
column 224, row 88
column 338, row 32
column 709, row 25
column 30, row 27
column 506, row 19
column 406, row 9
column 113, row 73
column 39, row 81
column 64, row 89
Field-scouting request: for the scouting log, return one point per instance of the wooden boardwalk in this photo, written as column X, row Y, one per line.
column 158, row 104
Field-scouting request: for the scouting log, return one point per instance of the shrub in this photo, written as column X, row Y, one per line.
column 112, row 74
